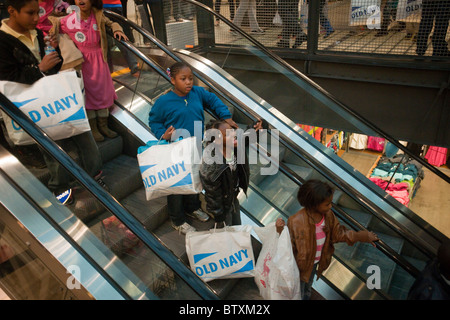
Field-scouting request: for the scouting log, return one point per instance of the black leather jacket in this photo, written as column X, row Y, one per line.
column 222, row 186
column 17, row 62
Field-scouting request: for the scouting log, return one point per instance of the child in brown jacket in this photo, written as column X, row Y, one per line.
column 314, row 229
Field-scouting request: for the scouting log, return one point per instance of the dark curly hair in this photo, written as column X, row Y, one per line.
column 314, row 192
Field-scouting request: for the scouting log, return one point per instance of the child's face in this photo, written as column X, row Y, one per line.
column 228, row 135
column 183, row 81
column 84, row 5
column 27, row 18
column 325, row 206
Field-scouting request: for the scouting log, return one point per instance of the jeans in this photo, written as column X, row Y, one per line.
column 288, row 10
column 90, row 158
column 306, row 287
column 180, row 204
column 249, row 7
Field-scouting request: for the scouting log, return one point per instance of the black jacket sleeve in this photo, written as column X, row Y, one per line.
column 17, row 63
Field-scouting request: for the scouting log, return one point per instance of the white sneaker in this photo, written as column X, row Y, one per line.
column 184, row 228
column 199, row 215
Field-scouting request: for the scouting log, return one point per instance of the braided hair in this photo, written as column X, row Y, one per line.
column 175, row 68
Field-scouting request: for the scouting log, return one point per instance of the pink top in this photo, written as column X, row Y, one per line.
column 46, row 7
column 98, row 84
column 320, row 239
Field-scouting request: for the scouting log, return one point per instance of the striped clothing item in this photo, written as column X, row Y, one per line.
column 320, row 239
column 112, row 4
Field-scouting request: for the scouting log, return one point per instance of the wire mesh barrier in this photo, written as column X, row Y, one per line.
column 385, row 27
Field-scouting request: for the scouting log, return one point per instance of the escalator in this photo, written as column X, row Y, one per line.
column 149, row 261
column 407, row 240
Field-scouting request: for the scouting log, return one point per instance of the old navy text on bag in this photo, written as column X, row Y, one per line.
column 165, row 174
column 169, row 168
column 221, row 253
column 54, row 103
column 217, row 263
column 51, row 109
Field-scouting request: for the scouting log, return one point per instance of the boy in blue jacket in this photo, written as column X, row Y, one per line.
column 182, row 109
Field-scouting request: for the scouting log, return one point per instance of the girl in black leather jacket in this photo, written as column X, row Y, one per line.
column 222, row 175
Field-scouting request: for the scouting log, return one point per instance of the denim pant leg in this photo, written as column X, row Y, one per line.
column 60, row 178
column 91, row 159
column 236, row 215
column 179, row 204
column 306, row 287
column 191, row 202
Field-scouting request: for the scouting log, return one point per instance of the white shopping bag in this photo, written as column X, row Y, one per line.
column 170, row 168
column 364, row 13
column 409, row 10
column 221, row 253
column 55, row 103
column 276, row 272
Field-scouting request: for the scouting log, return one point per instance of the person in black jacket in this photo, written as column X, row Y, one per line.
column 222, row 175
column 434, row 281
column 17, row 34
column 23, row 60
column 437, row 13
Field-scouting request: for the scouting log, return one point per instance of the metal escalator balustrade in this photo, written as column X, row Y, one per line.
column 290, row 210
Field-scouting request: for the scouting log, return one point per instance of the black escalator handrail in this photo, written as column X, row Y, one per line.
column 315, row 86
column 108, row 201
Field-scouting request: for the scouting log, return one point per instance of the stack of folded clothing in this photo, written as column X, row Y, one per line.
column 399, row 176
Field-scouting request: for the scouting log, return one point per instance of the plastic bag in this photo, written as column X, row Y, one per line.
column 276, row 272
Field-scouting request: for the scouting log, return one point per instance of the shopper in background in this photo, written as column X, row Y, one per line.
column 434, row 281
column 288, row 10
column 249, row 7
column 434, row 13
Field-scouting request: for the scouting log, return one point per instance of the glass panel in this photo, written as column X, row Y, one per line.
column 23, row 275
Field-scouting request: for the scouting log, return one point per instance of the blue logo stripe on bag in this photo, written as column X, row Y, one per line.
column 21, row 104
column 79, row 115
column 202, row 256
column 185, row 181
column 247, row 267
column 145, row 168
